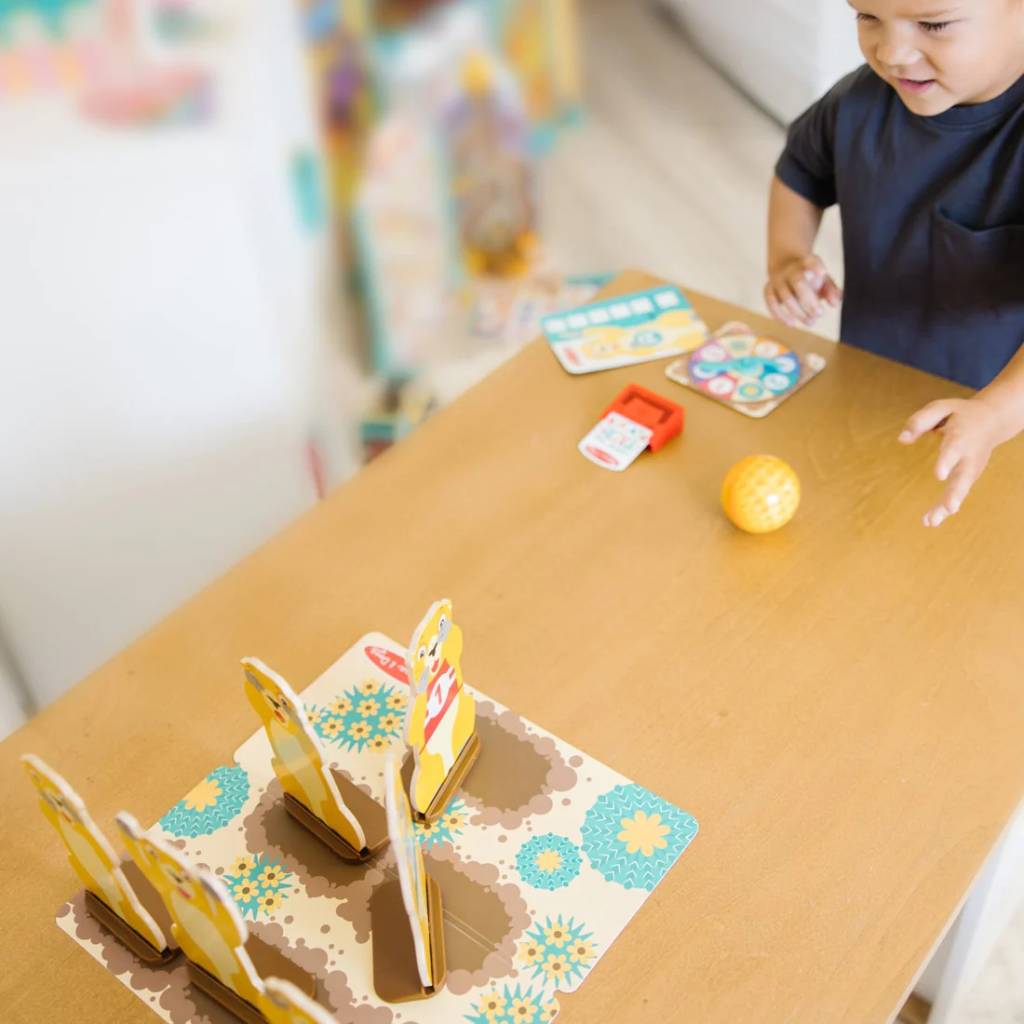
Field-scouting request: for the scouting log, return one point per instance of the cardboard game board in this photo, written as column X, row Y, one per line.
column 543, row 857
column 748, row 373
column 624, row 330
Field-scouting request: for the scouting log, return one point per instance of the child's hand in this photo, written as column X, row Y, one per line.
column 970, row 429
column 796, row 290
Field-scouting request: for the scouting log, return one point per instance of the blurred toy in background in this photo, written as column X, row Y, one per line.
column 182, row 21
column 337, row 34
column 492, row 183
column 404, row 226
column 432, row 155
column 48, row 46
column 391, row 15
column 525, row 47
column 538, row 41
column 97, row 52
column 400, row 406
column 57, row 18
column 132, row 87
column 407, row 261
column 132, row 96
column 507, row 312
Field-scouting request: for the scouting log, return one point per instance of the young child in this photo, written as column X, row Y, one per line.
column 923, row 150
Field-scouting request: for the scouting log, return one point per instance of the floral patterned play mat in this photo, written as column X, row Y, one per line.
column 542, row 857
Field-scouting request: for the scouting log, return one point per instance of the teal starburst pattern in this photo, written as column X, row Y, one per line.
column 548, row 862
column 632, row 837
column 444, row 829
column 558, row 950
column 257, row 885
column 508, row 1005
column 370, row 716
column 210, row 805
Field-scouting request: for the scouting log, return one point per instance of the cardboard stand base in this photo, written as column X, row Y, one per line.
column 119, row 927
column 395, row 976
column 269, row 962
column 466, row 759
column 370, row 814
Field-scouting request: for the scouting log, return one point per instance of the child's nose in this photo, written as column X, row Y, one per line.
column 896, row 51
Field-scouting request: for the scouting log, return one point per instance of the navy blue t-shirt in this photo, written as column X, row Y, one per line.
column 933, row 222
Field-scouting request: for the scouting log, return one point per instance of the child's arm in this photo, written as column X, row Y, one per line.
column 797, row 279
column 971, row 428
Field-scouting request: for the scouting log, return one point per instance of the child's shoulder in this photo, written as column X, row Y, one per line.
column 858, row 100
column 859, row 89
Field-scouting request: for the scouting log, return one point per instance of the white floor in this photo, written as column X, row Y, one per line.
column 997, row 997
column 669, row 173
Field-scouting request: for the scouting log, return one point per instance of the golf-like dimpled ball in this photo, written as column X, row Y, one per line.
column 760, row 493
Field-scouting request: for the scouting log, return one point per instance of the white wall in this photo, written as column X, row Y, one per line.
column 166, row 346
column 13, row 705
column 782, row 53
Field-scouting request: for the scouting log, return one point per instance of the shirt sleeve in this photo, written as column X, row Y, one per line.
column 807, row 164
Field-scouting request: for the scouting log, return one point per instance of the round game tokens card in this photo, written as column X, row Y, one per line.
column 750, row 373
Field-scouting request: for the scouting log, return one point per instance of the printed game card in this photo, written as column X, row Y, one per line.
column 751, row 374
column 615, row 442
column 543, row 857
column 624, row 330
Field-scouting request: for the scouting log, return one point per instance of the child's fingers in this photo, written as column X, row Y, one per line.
column 791, row 302
column 815, row 268
column 951, row 451
column 807, row 297
column 776, row 308
column 924, row 420
column 961, row 480
column 831, row 292
column 782, row 314
column 785, row 309
column 787, row 301
column 824, row 285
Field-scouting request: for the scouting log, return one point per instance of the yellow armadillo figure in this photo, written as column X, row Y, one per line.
column 207, row 925
column 412, row 875
column 298, row 759
column 283, row 1003
column 89, row 851
column 442, row 715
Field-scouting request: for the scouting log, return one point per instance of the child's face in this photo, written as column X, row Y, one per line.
column 939, row 53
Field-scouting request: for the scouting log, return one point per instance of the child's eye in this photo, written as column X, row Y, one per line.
column 934, row 26
column 865, row 17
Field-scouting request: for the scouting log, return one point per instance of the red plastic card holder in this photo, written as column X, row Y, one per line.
column 658, row 414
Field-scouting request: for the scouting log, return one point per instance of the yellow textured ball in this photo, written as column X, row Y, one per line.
column 760, row 493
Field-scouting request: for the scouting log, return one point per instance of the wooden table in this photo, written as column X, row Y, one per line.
column 839, row 704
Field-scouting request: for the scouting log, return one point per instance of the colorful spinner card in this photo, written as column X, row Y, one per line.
column 751, row 374
column 624, row 330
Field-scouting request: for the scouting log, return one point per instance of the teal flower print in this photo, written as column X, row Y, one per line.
column 210, row 805
column 506, row 1005
column 257, row 885
column 444, row 829
column 632, row 837
column 548, row 862
column 370, row 716
column 559, row 951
